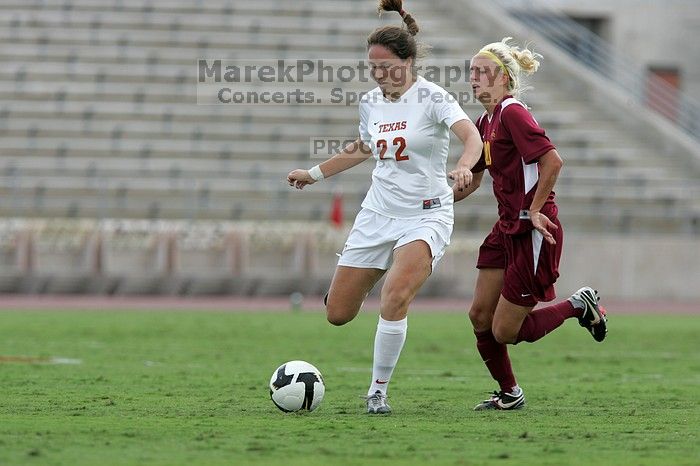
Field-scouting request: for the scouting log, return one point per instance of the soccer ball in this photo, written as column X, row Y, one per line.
column 295, row 386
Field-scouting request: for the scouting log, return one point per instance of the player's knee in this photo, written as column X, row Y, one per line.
column 337, row 314
column 504, row 336
column 336, row 319
column 395, row 300
column 480, row 317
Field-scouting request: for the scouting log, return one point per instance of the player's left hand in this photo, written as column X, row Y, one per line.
column 462, row 177
column 543, row 225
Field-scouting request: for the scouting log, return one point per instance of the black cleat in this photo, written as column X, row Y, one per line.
column 503, row 401
column 594, row 317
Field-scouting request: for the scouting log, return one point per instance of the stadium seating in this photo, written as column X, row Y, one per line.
column 99, row 119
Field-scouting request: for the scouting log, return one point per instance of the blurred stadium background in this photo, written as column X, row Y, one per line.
column 115, row 181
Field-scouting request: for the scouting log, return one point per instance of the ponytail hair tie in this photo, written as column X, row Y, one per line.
column 402, row 12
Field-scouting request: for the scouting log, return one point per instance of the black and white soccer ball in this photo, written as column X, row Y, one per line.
column 297, row 386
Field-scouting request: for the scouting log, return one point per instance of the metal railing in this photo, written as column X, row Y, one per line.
column 582, row 44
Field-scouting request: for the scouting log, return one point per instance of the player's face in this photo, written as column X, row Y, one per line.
column 387, row 69
column 487, row 79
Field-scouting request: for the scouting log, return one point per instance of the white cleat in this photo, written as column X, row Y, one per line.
column 376, row 404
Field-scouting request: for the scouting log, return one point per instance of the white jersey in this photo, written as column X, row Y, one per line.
column 410, row 140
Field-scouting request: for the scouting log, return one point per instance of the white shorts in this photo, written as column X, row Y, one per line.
column 374, row 237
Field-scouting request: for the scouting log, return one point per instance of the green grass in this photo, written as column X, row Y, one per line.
column 191, row 388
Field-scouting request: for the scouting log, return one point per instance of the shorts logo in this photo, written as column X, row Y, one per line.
column 431, row 203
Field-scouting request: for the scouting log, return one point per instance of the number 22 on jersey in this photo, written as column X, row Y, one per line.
column 398, row 141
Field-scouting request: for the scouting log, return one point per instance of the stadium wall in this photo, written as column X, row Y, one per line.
column 655, row 130
column 641, row 30
column 118, row 257
column 620, row 267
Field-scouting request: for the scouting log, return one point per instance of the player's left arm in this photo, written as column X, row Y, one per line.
column 469, row 135
column 549, row 166
column 534, row 145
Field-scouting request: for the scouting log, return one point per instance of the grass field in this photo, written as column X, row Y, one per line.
column 191, row 388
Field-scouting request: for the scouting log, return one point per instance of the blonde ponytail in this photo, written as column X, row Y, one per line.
column 516, row 61
column 527, row 59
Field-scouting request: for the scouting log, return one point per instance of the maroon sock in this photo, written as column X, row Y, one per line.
column 542, row 321
column 495, row 356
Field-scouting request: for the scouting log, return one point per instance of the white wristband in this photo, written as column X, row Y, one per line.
column 316, row 173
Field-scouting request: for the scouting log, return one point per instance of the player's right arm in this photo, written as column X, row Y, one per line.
column 473, row 186
column 353, row 154
column 478, row 173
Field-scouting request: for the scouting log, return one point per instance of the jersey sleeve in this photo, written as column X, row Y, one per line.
column 527, row 135
column 364, row 116
column 447, row 110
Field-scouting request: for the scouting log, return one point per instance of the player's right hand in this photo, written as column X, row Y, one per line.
column 543, row 225
column 299, row 178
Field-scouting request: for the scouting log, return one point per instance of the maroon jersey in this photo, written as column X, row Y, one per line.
column 513, row 141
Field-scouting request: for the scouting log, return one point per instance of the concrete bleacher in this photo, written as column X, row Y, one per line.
column 99, row 120
column 99, row 117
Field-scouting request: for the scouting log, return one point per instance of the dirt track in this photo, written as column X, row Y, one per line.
column 311, row 303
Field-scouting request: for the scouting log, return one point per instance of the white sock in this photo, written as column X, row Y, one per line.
column 388, row 343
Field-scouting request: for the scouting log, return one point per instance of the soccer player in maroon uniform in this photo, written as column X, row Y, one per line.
column 518, row 261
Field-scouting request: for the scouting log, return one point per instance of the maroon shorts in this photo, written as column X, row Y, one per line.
column 530, row 264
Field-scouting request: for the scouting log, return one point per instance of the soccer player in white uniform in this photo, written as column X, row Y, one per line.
column 407, row 216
